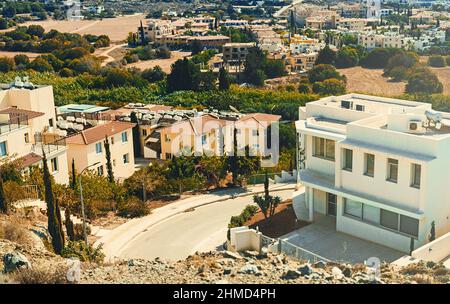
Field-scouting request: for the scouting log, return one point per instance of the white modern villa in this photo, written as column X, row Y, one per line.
column 377, row 166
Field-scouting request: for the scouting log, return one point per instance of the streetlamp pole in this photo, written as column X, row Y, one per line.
column 82, row 202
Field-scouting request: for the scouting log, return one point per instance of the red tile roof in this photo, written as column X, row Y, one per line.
column 28, row 160
column 99, row 132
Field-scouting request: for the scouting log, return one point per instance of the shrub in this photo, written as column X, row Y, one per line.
column 13, row 192
column 42, row 275
column 436, row 61
column 21, row 59
column 132, row 207
column 246, row 214
column 6, row 64
column 13, row 231
column 79, row 250
column 78, row 234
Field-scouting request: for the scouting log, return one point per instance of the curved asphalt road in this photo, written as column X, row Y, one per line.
column 202, row 229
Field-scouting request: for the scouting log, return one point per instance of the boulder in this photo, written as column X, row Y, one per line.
column 249, row 269
column 291, row 275
column 336, row 272
column 15, row 260
column 305, row 270
column 320, row 264
column 347, row 272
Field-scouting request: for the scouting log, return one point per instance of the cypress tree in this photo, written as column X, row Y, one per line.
column 69, row 225
column 136, row 135
column 109, row 167
column 3, row 204
column 73, row 181
column 54, row 220
column 224, row 80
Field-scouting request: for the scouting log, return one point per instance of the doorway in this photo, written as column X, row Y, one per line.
column 331, row 204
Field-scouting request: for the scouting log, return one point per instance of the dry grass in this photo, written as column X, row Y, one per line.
column 116, row 28
column 12, row 54
column 165, row 64
column 371, row 81
column 41, row 275
column 12, row 230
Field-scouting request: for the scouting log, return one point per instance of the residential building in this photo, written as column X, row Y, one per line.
column 213, row 134
column 376, row 166
column 234, row 23
column 87, row 148
column 300, row 62
column 28, row 128
column 235, row 54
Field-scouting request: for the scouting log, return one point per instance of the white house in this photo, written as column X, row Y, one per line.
column 378, row 166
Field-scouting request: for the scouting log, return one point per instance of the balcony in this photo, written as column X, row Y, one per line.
column 10, row 123
column 48, row 143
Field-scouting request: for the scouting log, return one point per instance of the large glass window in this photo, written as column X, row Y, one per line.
column 353, row 208
column 371, row 214
column 369, row 161
column 3, row 148
column 415, row 175
column 392, row 167
column 389, row 219
column 331, row 204
column 409, row 225
column 323, row 148
column 348, row 159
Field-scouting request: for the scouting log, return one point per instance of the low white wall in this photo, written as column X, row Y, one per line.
column 435, row 251
column 300, row 206
column 286, row 177
column 245, row 239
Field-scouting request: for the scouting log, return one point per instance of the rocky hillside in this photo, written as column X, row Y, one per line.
column 213, row 267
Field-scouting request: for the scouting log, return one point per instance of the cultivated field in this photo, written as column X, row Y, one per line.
column 371, row 81
column 163, row 63
column 116, row 28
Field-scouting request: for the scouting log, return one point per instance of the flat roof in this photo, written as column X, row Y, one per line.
column 83, row 108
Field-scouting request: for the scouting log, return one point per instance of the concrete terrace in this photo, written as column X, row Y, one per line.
column 322, row 238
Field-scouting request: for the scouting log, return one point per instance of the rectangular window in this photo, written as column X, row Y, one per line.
column 54, row 164
column 124, row 137
column 168, row 155
column 369, row 163
column 409, row 225
column 3, row 148
column 323, row 148
column 204, row 137
column 360, row 108
column 392, row 167
column 144, row 132
column 100, row 170
column 112, row 140
column 348, row 159
column 415, row 175
column 389, row 219
column 166, row 137
column 98, row 148
column 331, row 204
column 353, row 208
column 50, row 122
column 126, row 158
column 27, row 138
column 371, row 214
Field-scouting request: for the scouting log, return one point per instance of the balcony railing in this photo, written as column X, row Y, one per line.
column 48, row 143
column 14, row 122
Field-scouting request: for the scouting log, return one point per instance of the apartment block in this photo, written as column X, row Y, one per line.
column 377, row 166
column 28, row 128
column 87, row 148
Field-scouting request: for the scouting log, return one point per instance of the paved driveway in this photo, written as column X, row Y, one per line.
column 322, row 238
